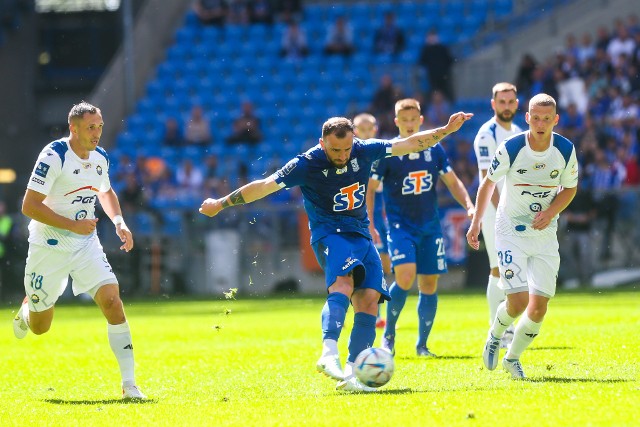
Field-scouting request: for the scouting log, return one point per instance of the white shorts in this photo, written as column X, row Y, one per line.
column 47, row 271
column 489, row 234
column 528, row 263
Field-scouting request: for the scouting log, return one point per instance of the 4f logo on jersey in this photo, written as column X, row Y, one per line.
column 42, row 169
column 417, row 182
column 350, row 197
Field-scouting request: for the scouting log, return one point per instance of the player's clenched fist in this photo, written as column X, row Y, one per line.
column 85, row 226
column 210, row 207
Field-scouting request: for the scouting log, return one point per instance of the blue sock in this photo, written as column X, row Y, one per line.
column 427, row 306
column 333, row 315
column 363, row 334
column 394, row 307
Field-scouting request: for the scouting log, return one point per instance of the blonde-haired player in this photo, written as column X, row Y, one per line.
column 504, row 103
column 541, row 178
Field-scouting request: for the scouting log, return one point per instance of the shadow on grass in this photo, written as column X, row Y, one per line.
column 447, row 357
column 101, row 401
column 576, row 380
column 551, row 348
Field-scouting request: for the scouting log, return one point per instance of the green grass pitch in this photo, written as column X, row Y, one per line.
column 252, row 362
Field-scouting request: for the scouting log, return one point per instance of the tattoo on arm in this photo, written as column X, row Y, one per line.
column 233, row 199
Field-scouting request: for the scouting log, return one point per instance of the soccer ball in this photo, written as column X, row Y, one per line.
column 374, row 366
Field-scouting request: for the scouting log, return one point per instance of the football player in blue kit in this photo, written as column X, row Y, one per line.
column 333, row 178
column 416, row 243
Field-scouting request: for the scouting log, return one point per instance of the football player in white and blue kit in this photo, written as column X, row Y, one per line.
column 70, row 175
column 504, row 103
column 541, row 178
column 333, row 177
column 415, row 238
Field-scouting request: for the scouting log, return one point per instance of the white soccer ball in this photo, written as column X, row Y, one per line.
column 374, row 366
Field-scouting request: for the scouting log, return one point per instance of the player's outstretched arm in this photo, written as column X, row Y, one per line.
column 111, row 206
column 482, row 200
column 34, row 208
column 371, row 203
column 422, row 140
column 248, row 193
column 459, row 192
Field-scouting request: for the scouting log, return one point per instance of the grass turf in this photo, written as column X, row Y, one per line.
column 252, row 362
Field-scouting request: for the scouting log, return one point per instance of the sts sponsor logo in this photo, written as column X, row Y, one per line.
column 417, row 182
column 349, row 197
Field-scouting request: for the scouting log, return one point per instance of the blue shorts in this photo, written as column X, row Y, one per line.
column 344, row 253
column 424, row 250
column 381, row 226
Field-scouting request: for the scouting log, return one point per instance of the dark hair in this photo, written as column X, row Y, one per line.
column 338, row 126
column 80, row 109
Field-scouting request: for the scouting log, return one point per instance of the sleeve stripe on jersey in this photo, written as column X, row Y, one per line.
column 564, row 146
column 104, row 154
column 60, row 147
column 514, row 145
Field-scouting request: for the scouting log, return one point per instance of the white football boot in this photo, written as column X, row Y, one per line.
column 491, row 352
column 330, row 366
column 514, row 368
column 351, row 383
column 132, row 392
column 20, row 326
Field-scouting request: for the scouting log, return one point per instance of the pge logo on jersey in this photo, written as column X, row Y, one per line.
column 417, row 182
column 350, row 197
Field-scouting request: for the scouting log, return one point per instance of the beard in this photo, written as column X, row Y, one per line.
column 506, row 116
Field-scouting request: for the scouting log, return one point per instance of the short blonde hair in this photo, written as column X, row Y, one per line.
column 407, row 104
column 364, row 118
column 503, row 87
column 542, row 100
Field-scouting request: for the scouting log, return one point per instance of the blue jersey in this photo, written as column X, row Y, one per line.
column 410, row 196
column 334, row 198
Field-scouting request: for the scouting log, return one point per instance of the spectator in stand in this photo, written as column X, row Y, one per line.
column 260, row 12
column 622, row 43
column 524, row 78
column 436, row 58
column 238, row 13
column 289, row 10
column 571, row 47
column 339, row 38
column 602, row 38
column 198, row 130
column 294, row 42
column 438, row 108
column 189, row 179
column 586, row 50
column 383, row 104
column 246, row 128
column 212, row 12
column 389, row 39
column 212, row 177
column 172, row 134
column 571, row 123
column 132, row 198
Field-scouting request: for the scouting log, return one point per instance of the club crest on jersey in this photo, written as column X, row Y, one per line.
column 508, row 274
column 349, row 197
column 539, row 166
column 554, row 173
column 99, row 170
column 417, row 182
column 35, row 298
column 42, row 169
column 354, row 165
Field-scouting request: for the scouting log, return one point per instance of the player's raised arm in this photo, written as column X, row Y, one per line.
column 422, row 140
column 248, row 193
column 482, row 200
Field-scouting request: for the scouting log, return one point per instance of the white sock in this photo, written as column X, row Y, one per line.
column 25, row 313
column 329, row 348
column 120, row 342
column 502, row 321
column 526, row 331
column 348, row 370
column 495, row 296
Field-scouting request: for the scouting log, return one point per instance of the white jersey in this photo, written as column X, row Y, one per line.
column 489, row 137
column 71, row 187
column 531, row 183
